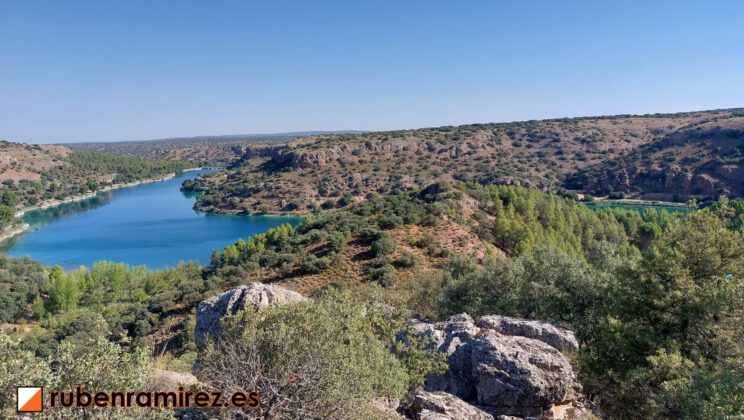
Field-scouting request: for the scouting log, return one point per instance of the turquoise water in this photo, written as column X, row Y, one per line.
column 152, row 224
column 638, row 207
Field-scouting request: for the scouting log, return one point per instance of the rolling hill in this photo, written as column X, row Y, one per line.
column 583, row 154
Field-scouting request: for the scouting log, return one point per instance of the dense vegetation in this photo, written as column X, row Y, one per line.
column 661, row 331
column 328, row 369
column 655, row 298
column 96, row 364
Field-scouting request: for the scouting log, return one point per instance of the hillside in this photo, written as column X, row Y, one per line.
column 439, row 251
column 219, row 150
column 702, row 160
column 393, row 240
column 332, row 170
column 27, row 162
column 34, row 174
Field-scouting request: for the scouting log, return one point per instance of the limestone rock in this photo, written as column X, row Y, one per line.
column 518, row 375
column 443, row 406
column 256, row 295
column 167, row 380
column 561, row 338
column 511, row 375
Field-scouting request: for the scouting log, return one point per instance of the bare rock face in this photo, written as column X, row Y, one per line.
column 256, row 295
column 518, row 375
column 443, row 406
column 386, row 407
column 314, row 159
column 552, row 334
column 505, row 366
column 706, row 184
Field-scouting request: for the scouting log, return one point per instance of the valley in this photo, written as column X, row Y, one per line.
column 480, row 233
column 371, row 210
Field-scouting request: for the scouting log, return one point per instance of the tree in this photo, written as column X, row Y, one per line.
column 674, row 321
column 65, row 291
column 214, row 259
column 7, row 217
column 8, row 198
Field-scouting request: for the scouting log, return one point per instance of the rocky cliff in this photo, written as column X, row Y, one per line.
column 704, row 161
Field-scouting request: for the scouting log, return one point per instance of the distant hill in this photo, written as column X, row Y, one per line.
column 45, row 174
column 218, row 149
column 28, row 161
column 705, row 159
column 323, row 170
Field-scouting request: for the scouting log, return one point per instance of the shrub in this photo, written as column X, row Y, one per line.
column 386, row 275
column 383, row 246
column 321, row 359
column 337, row 242
column 314, row 265
column 96, row 365
column 406, row 259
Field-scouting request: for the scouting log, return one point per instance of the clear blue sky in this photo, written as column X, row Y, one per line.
column 127, row 69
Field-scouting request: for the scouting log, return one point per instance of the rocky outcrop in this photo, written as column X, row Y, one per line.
column 256, row 295
column 170, row 380
column 443, row 406
column 248, row 152
column 492, row 365
column 550, row 333
column 705, row 161
column 386, row 407
column 314, row 159
column 519, row 375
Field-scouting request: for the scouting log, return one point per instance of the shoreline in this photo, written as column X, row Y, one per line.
column 17, row 230
column 640, row 202
column 278, row 213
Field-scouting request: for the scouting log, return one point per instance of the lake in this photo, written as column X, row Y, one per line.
column 638, row 206
column 151, row 224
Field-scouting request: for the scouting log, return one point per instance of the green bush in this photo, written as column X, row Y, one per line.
column 406, row 260
column 314, row 265
column 96, row 365
column 383, row 246
column 321, row 359
column 386, row 275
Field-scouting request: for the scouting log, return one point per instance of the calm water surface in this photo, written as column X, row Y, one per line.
column 152, row 224
column 638, row 207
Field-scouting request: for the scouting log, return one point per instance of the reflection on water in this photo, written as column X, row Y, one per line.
column 57, row 213
column 151, row 224
column 41, row 217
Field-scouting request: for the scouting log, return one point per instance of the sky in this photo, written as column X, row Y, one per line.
column 75, row 71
